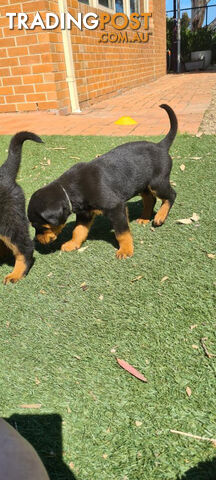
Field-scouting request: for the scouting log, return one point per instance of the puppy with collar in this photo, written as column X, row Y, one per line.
column 103, row 186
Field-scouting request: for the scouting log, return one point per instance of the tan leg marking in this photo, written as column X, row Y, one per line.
column 126, row 245
column 80, row 234
column 50, row 234
column 20, row 263
column 148, row 206
column 162, row 213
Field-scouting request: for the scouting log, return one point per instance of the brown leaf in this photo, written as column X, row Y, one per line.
column 137, row 278
column 80, row 250
column 164, row 279
column 184, row 221
column 188, row 391
column 31, row 405
column 138, row 423
column 131, row 370
column 195, row 217
column 84, row 286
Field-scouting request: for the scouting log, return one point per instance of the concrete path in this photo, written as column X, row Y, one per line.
column 188, row 94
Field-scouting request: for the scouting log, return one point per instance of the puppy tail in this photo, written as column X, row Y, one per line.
column 14, row 153
column 167, row 141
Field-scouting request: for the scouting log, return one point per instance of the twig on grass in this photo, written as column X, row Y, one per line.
column 197, row 437
column 209, row 355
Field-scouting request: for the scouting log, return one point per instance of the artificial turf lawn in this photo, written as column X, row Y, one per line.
column 57, row 337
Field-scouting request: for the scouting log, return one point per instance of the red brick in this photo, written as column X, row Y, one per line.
column 32, row 79
column 21, row 70
column 30, row 59
column 36, row 97
column 26, row 107
column 15, row 99
column 12, row 81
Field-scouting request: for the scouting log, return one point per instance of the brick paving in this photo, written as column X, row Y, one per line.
column 188, row 94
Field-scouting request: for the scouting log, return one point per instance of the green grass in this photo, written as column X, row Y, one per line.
column 47, row 320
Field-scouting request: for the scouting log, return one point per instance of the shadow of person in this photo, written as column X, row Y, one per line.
column 44, row 433
column 202, row 471
column 100, row 230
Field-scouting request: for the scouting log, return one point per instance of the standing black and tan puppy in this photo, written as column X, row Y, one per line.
column 14, row 234
column 103, row 186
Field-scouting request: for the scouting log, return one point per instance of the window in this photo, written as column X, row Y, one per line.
column 119, row 6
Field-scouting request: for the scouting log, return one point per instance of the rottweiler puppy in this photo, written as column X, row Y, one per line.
column 103, row 186
column 14, row 234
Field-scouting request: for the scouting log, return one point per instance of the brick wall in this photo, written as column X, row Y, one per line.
column 32, row 63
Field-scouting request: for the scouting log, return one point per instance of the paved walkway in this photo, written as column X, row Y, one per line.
column 188, row 94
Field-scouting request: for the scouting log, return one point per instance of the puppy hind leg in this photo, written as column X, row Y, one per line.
column 119, row 219
column 167, row 194
column 149, row 201
column 23, row 261
column 80, row 233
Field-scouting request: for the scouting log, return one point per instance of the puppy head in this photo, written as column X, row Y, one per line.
column 48, row 233
column 48, row 211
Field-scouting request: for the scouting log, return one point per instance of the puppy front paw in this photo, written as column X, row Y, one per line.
column 143, row 221
column 69, row 246
column 11, row 278
column 121, row 253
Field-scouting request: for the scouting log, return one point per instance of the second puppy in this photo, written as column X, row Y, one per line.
column 103, row 186
column 14, row 234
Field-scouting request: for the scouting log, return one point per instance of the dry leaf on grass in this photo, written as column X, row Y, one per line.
column 68, row 409
column 105, row 456
column 37, row 381
column 210, row 255
column 172, row 183
column 190, row 220
column 188, row 391
column 195, row 217
column 138, row 423
column 193, row 326
column 84, row 286
column 113, row 350
column 82, row 249
column 101, row 297
column 129, row 368
column 42, row 292
column 55, row 148
column 199, row 134
column 195, row 347
column 164, row 279
column 71, row 465
column 137, row 278
column 182, row 167
column 195, row 158
column 184, row 221
column 31, row 405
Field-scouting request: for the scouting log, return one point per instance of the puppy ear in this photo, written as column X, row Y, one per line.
column 55, row 216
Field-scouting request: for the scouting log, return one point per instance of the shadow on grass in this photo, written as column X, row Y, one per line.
column 101, row 230
column 44, row 433
column 202, row 471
